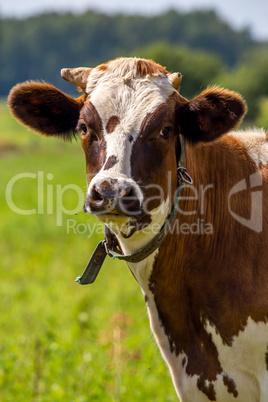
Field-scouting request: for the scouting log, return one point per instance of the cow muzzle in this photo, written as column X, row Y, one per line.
column 111, row 196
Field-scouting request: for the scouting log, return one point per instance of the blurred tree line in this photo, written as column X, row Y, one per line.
column 205, row 49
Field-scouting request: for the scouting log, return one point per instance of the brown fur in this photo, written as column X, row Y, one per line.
column 198, row 278
column 215, row 278
column 112, row 160
column 95, row 151
column 45, row 108
column 149, row 67
column 103, row 67
column 152, row 150
column 210, row 114
column 112, row 123
column 154, row 121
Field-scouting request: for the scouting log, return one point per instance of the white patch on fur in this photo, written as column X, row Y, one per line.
column 185, row 385
column 244, row 361
column 256, row 143
column 117, row 91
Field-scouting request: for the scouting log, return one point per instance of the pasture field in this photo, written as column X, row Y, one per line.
column 60, row 341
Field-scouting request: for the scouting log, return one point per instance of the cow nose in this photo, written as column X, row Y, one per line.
column 113, row 197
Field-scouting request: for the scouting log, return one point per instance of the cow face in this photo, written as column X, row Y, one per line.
column 129, row 120
column 129, row 137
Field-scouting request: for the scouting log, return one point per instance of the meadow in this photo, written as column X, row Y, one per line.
column 60, row 341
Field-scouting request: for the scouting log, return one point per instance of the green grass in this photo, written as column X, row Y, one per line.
column 60, row 341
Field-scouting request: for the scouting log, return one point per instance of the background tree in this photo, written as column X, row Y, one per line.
column 204, row 48
column 199, row 68
column 250, row 78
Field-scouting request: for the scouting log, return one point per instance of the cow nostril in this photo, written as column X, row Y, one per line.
column 128, row 192
column 129, row 201
column 96, row 195
column 106, row 196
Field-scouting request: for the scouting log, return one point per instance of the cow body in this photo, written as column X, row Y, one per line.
column 206, row 294
column 205, row 287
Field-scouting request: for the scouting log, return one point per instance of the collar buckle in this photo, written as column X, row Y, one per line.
column 183, row 175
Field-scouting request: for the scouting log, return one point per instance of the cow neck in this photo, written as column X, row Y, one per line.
column 106, row 247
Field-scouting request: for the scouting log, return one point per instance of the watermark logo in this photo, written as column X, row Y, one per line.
column 50, row 197
column 84, row 229
column 198, row 227
column 255, row 221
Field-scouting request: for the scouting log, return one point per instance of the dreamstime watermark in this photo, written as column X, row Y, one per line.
column 51, row 200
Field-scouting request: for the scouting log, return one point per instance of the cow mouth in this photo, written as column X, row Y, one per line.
column 125, row 225
column 133, row 216
column 115, row 210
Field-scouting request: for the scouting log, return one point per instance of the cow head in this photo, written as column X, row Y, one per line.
column 129, row 118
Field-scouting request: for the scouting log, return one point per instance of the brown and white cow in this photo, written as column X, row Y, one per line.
column 206, row 286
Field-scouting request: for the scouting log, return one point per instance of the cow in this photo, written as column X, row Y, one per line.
column 198, row 251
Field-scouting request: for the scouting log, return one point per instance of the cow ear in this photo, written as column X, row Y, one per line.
column 209, row 115
column 45, row 109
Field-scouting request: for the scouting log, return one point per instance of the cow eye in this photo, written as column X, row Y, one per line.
column 165, row 132
column 83, row 127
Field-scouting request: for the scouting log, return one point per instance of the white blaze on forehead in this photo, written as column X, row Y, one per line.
column 117, row 89
column 130, row 100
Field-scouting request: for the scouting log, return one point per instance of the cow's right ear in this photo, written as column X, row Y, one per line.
column 45, row 109
column 209, row 115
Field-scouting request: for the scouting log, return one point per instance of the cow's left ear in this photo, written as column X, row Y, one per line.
column 209, row 115
column 45, row 109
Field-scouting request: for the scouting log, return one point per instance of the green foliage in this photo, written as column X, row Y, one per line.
column 262, row 118
column 60, row 341
column 199, row 68
column 250, row 78
column 38, row 47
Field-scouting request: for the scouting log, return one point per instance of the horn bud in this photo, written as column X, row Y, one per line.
column 77, row 76
column 175, row 80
